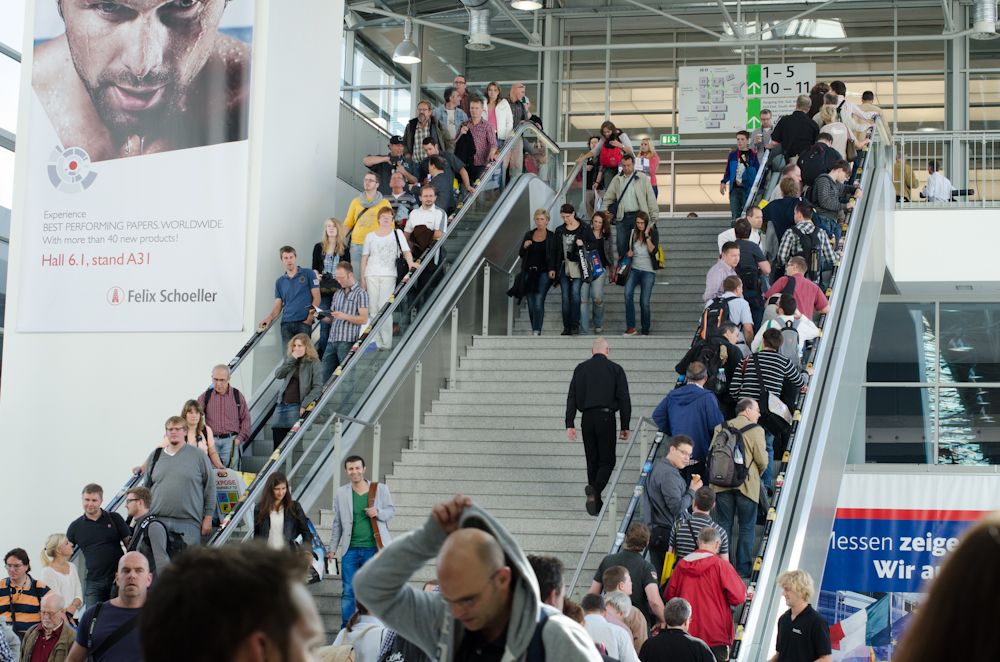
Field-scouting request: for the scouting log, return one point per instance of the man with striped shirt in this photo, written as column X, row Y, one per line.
column 777, row 373
column 348, row 315
column 684, row 537
column 20, row 595
column 226, row 412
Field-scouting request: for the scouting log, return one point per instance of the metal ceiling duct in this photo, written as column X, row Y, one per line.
column 984, row 19
column 479, row 25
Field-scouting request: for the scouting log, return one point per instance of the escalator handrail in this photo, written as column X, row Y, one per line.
column 313, row 409
column 798, row 446
column 758, row 180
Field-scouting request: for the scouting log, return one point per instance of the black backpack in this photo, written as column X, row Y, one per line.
column 175, row 541
column 809, row 250
column 814, row 162
column 728, row 464
column 750, row 275
column 715, row 355
column 712, row 318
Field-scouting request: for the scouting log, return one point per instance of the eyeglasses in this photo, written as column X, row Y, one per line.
column 175, row 429
column 465, row 603
column 132, row 500
column 14, row 566
column 51, row 614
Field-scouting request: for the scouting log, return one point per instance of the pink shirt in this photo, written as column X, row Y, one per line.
column 491, row 117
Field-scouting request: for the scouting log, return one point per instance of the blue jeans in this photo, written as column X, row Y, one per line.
column 756, row 311
column 226, row 450
column 645, row 281
column 98, row 590
column 356, row 250
column 733, row 503
column 536, row 302
column 289, row 330
column 350, row 564
column 769, row 442
column 592, row 292
column 623, row 233
column 336, row 352
column 324, row 328
column 737, row 199
column 570, row 300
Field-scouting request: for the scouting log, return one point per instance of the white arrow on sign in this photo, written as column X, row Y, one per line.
column 754, row 88
column 754, row 122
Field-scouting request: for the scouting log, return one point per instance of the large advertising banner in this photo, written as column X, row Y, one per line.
column 891, row 534
column 135, row 208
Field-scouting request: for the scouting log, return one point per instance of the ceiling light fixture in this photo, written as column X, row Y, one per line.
column 406, row 52
column 526, row 5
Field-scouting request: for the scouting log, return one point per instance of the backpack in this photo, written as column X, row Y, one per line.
column 175, row 541
column 712, row 318
column 809, row 250
column 611, row 156
column 750, row 275
column 727, row 457
column 790, row 342
column 814, row 162
column 715, row 356
column 342, row 652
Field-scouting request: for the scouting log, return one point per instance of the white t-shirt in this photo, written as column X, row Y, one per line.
column 938, row 188
column 807, row 330
column 730, row 235
column 276, row 536
column 382, row 253
column 434, row 218
column 739, row 311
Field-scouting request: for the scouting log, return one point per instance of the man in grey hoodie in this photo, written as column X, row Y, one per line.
column 490, row 608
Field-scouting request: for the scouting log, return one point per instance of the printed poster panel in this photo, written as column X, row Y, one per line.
column 135, row 214
column 891, row 535
column 712, row 99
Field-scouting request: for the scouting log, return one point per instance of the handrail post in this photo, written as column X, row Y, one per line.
column 337, row 430
column 486, row 299
column 376, row 450
column 417, row 383
column 613, row 511
column 643, row 444
column 453, row 370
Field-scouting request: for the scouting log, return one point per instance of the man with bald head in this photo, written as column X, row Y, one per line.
column 114, row 636
column 486, row 585
column 50, row 640
column 598, row 389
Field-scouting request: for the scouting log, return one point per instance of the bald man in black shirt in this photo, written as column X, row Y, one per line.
column 598, row 389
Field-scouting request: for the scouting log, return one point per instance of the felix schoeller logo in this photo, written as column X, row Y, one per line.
column 118, row 295
column 69, row 169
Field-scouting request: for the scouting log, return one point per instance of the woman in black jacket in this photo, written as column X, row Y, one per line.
column 594, row 291
column 277, row 518
column 536, row 263
column 569, row 240
column 644, row 242
column 331, row 250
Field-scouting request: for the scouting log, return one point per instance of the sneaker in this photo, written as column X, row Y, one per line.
column 566, row 332
column 630, row 332
column 536, row 333
column 598, row 329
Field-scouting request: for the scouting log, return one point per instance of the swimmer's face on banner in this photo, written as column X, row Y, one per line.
column 137, row 58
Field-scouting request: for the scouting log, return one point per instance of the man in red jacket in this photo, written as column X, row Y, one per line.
column 711, row 586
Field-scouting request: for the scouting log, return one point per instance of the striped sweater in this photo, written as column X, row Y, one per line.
column 776, row 369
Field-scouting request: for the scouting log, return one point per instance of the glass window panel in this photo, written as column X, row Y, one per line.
column 12, row 24
column 10, row 85
column 902, row 348
column 970, row 343
column 6, row 178
column 969, row 432
column 899, row 425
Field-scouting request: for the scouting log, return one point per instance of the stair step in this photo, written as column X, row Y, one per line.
column 421, row 459
column 554, row 398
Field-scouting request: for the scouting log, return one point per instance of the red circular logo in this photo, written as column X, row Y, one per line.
column 72, row 165
column 116, row 295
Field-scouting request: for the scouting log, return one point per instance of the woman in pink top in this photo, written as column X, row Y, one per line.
column 647, row 152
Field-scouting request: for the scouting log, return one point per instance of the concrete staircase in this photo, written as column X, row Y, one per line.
column 500, row 435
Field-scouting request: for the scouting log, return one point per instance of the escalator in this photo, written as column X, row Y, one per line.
column 799, row 522
column 485, row 230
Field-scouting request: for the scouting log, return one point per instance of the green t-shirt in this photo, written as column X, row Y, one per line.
column 361, row 532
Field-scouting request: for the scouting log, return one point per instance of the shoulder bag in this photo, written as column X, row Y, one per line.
column 372, row 489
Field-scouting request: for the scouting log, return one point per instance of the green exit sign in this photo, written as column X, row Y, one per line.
column 670, row 139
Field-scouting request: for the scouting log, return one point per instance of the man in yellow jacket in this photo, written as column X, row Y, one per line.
column 362, row 216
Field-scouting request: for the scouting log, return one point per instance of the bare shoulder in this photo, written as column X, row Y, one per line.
column 234, row 55
column 52, row 63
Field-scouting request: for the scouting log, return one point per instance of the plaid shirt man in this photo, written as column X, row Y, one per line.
column 347, row 301
column 485, row 137
column 791, row 245
column 421, row 132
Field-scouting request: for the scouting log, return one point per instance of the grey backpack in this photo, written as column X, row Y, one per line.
column 790, row 342
column 728, row 464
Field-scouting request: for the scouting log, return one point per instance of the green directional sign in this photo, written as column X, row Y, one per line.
column 753, row 79
column 670, row 139
column 753, row 113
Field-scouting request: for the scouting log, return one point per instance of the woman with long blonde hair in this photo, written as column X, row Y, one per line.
column 331, row 250
column 302, row 373
column 650, row 161
column 59, row 574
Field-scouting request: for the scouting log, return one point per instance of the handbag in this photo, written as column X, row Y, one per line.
column 402, row 267
column 669, row 561
column 586, row 268
column 596, row 268
column 328, row 284
column 613, row 207
column 623, row 270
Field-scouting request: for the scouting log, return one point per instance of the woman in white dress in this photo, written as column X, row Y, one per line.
column 378, row 268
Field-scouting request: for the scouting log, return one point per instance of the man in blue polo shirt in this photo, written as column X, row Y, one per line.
column 297, row 291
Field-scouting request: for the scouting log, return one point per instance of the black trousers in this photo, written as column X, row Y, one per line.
column 599, row 439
